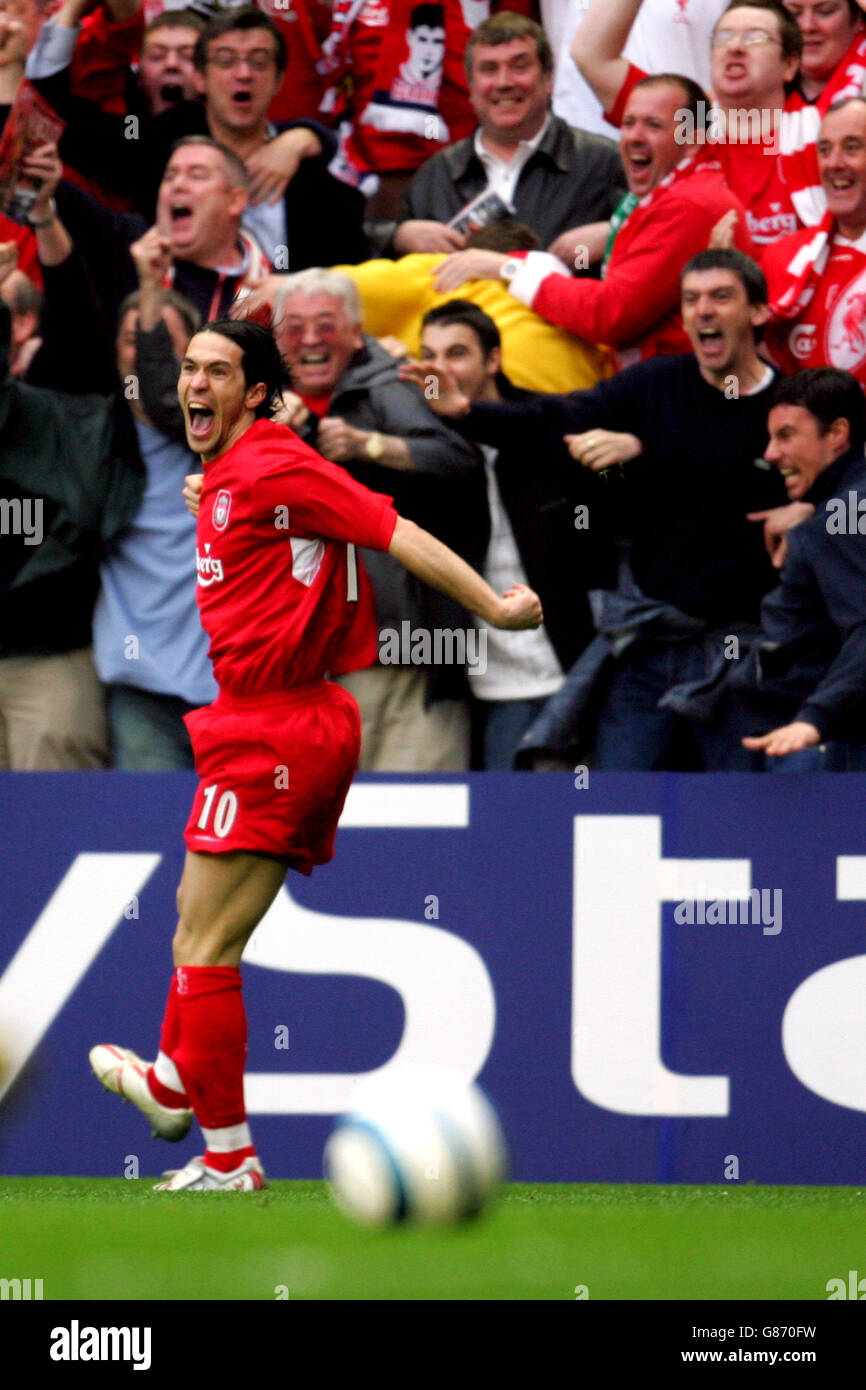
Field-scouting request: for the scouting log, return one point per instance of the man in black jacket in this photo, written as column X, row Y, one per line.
column 554, row 179
column 531, row 534
column 70, row 481
column 808, row 669
column 210, row 258
column 690, row 431
column 299, row 214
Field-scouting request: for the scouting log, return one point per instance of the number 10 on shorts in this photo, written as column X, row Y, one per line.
column 224, row 814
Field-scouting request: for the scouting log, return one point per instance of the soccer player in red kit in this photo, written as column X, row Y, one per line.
column 285, row 604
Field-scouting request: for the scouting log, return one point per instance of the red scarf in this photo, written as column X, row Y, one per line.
column 804, row 270
column 679, row 172
column 799, row 127
column 404, row 119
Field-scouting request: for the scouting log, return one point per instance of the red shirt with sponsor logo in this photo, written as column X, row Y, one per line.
column 637, row 304
column 751, row 166
column 281, row 593
column 831, row 330
column 754, row 173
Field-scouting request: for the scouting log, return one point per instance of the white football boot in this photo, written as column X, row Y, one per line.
column 124, row 1074
column 198, row 1177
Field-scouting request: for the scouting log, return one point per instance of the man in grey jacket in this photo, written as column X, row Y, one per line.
column 521, row 157
column 359, row 414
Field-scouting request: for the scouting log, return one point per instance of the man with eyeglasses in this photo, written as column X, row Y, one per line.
column 304, row 217
column 759, row 134
column 297, row 212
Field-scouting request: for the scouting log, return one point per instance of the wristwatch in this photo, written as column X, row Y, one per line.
column 45, row 221
column 375, row 446
column 509, row 269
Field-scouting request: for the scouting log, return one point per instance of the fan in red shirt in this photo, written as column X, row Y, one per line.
column 285, row 604
column 759, row 133
column 674, row 201
column 817, row 277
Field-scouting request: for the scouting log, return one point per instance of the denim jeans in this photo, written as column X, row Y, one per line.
column 503, row 724
column 147, row 730
column 634, row 735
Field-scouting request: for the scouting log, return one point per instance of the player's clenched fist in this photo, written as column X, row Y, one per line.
column 520, row 608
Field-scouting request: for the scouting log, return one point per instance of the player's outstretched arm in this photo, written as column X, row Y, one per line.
column 439, row 567
column 598, row 44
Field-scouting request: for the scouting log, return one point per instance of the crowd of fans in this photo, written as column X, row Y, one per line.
column 587, row 300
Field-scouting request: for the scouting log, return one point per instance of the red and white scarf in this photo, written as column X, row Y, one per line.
column 798, row 133
column 253, row 268
column 804, row 270
column 404, row 121
column 629, row 204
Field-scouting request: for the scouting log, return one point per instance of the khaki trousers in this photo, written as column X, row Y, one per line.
column 397, row 733
column 52, row 713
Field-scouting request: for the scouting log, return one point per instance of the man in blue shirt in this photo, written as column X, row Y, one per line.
column 149, row 645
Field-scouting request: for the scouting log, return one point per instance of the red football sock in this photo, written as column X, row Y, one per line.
column 211, row 1052
column 168, row 1090
column 226, row 1163
column 170, row 1035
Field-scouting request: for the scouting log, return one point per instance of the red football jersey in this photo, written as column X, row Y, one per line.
column 282, row 595
column 755, row 173
column 831, row 330
column 637, row 304
column 752, row 169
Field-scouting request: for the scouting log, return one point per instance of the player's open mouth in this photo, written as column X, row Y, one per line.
column 710, row 337
column 201, row 419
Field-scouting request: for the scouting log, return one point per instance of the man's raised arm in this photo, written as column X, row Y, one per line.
column 436, row 565
column 598, row 46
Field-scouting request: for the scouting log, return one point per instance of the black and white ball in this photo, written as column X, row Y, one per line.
column 416, row 1144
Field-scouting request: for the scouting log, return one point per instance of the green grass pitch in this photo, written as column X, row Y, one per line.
column 90, row 1238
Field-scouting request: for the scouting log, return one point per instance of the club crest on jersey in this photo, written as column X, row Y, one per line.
column 845, row 343
column 221, row 508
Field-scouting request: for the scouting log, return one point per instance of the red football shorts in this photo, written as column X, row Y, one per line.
column 275, row 770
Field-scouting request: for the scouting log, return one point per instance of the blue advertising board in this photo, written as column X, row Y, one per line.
column 655, row 977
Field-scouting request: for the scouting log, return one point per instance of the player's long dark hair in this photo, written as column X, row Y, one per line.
column 260, row 358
